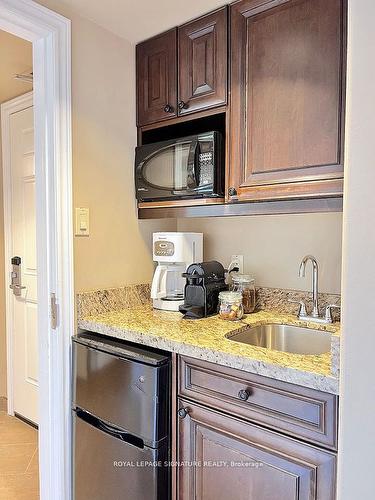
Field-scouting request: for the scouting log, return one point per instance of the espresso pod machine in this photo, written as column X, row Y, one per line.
column 204, row 282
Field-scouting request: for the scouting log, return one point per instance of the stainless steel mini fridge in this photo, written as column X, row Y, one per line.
column 121, row 420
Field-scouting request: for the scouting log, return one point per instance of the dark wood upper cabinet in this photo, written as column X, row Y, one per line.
column 183, row 70
column 157, row 78
column 202, row 60
column 228, row 458
column 287, row 99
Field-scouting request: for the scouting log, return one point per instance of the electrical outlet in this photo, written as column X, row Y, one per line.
column 237, row 261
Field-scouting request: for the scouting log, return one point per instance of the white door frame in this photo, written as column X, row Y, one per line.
column 7, row 109
column 50, row 35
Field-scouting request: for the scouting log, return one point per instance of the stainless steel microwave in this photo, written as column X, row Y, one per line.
column 188, row 167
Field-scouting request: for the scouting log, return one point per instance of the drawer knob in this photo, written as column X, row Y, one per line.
column 183, row 412
column 168, row 108
column 182, row 105
column 244, row 395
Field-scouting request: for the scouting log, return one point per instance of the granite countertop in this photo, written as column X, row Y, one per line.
column 206, row 339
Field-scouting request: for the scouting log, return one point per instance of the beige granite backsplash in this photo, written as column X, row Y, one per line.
column 115, row 299
column 112, row 299
column 277, row 299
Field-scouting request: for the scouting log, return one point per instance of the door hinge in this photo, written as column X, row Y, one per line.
column 54, row 311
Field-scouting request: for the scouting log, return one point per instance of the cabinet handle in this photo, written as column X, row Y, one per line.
column 168, row 108
column 244, row 394
column 182, row 105
column 183, row 412
column 232, row 191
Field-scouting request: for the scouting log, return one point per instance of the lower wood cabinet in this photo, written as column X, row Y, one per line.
column 227, row 458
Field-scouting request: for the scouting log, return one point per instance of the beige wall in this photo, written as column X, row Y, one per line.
column 118, row 250
column 273, row 246
column 357, row 411
column 3, row 351
column 15, row 57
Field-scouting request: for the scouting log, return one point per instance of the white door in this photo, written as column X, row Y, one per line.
column 23, row 242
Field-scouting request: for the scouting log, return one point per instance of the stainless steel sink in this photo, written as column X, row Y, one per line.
column 284, row 338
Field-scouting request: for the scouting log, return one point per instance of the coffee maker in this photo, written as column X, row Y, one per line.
column 204, row 282
column 173, row 252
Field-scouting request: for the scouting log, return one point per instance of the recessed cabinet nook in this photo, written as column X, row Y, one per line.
column 270, row 77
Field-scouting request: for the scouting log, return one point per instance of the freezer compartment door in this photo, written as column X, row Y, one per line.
column 108, row 468
column 128, row 394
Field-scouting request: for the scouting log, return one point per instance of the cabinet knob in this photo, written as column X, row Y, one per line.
column 244, row 394
column 182, row 105
column 232, row 191
column 183, row 412
column 168, row 108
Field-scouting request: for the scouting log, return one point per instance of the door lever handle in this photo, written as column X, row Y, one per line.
column 16, row 277
column 17, row 287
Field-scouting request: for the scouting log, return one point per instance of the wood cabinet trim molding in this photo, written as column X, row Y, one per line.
column 292, row 190
column 312, row 415
column 272, row 207
column 181, row 203
column 185, row 118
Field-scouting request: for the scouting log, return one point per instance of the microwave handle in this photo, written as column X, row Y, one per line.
column 192, row 165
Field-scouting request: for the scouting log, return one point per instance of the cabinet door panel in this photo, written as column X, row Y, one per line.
column 287, row 96
column 203, row 62
column 157, row 78
column 227, row 458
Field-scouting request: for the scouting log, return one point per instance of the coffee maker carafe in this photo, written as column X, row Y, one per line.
column 173, row 252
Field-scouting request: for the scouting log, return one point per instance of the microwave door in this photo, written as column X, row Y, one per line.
column 192, row 179
column 162, row 170
column 179, row 167
column 185, row 167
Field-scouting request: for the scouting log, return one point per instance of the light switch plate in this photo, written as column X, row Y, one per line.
column 82, row 222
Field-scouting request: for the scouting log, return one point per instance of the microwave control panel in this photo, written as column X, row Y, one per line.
column 163, row 248
column 206, row 168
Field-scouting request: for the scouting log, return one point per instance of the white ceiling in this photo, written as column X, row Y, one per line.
column 16, row 56
column 136, row 20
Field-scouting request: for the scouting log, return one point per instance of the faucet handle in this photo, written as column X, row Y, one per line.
column 328, row 314
column 302, row 307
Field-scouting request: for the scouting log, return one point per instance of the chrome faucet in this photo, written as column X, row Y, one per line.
column 302, row 272
column 314, row 316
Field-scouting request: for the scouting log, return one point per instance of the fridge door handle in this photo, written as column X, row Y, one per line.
column 109, row 429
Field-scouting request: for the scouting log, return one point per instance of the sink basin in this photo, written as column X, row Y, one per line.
column 285, row 338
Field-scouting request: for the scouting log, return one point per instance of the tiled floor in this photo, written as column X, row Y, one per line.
column 19, row 477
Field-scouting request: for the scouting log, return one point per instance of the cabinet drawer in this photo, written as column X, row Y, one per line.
column 294, row 410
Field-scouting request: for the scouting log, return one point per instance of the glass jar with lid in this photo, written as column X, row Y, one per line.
column 245, row 284
column 230, row 307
